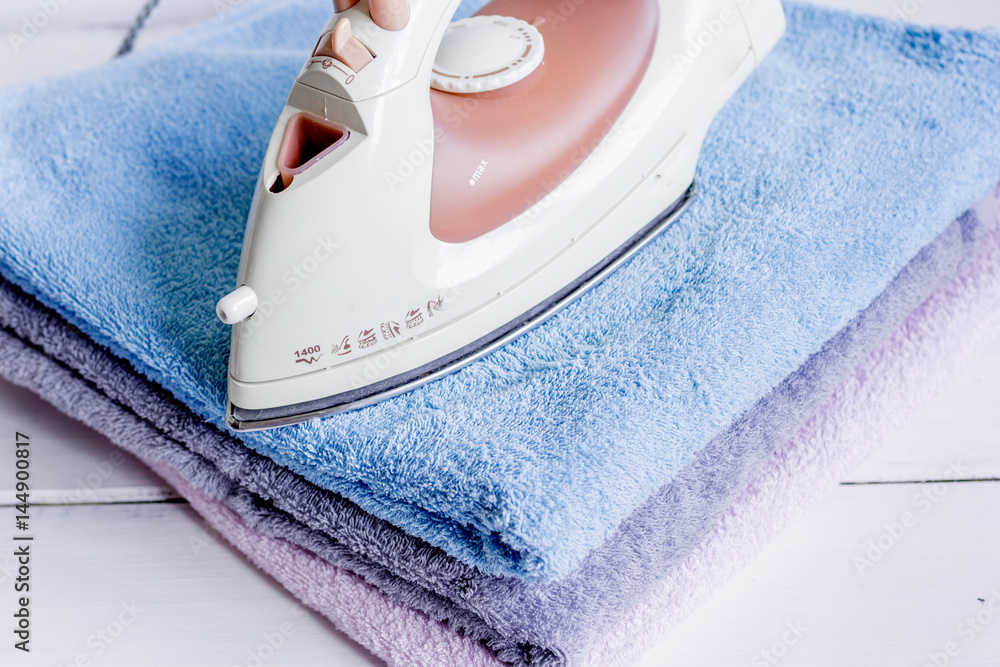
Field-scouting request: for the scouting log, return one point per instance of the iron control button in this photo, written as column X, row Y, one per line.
column 343, row 46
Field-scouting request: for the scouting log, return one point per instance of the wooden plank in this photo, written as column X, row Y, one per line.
column 55, row 52
column 43, row 39
column 69, row 462
column 162, row 590
column 204, row 605
column 956, row 13
column 86, row 15
column 908, row 603
column 63, row 15
column 912, row 599
column 961, row 425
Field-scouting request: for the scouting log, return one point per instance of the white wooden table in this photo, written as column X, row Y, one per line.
column 124, row 574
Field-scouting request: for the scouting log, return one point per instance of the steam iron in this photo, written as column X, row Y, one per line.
column 434, row 189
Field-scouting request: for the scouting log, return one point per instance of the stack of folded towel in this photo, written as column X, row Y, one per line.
column 566, row 499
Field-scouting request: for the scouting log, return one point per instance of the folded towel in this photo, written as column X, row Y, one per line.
column 552, row 623
column 128, row 222
column 891, row 383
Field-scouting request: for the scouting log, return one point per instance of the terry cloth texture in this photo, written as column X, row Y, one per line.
column 551, row 623
column 852, row 147
column 890, row 384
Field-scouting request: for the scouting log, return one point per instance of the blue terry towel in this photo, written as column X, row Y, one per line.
column 852, row 147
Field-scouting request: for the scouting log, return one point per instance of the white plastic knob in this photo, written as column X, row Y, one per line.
column 484, row 53
column 237, row 305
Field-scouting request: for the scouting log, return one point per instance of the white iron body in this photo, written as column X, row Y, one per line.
column 346, row 251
